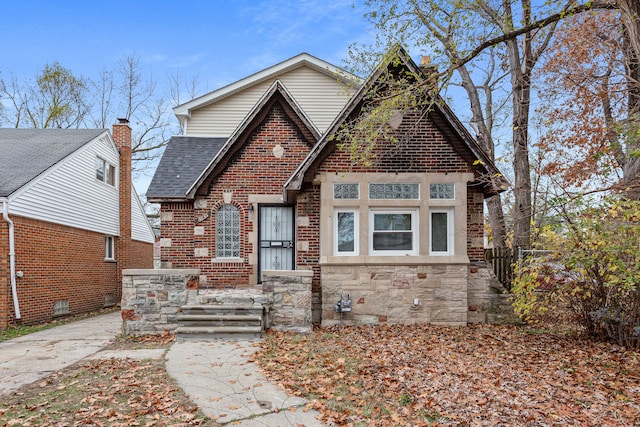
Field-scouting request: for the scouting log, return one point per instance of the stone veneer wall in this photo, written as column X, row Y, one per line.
column 435, row 294
column 291, row 296
column 151, row 299
column 483, row 292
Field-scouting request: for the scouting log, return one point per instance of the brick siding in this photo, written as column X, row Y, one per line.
column 60, row 263
column 252, row 170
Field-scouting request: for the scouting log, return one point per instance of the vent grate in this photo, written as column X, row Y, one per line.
column 61, row 308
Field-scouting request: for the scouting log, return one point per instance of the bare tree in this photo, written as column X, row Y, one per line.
column 57, row 99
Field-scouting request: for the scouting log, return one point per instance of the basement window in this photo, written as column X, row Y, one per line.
column 109, row 300
column 61, row 308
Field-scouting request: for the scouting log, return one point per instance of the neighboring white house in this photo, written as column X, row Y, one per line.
column 71, row 221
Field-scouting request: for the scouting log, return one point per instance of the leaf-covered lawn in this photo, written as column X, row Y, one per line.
column 112, row 392
column 480, row 375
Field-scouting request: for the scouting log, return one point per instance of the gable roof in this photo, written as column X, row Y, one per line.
column 277, row 93
column 442, row 115
column 27, row 153
column 189, row 164
column 183, row 160
column 183, row 111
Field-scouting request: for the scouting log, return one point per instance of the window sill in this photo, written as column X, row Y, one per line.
column 110, row 260
column 396, row 260
column 227, row 260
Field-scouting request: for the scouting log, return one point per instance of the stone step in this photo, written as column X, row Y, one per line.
column 227, row 317
column 222, row 309
column 215, row 331
column 220, row 320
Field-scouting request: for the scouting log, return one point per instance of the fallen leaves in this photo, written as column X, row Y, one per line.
column 113, row 392
column 478, row 375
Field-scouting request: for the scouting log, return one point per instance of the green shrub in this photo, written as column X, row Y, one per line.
column 594, row 273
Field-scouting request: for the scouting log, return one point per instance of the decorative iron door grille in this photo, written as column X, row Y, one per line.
column 276, row 238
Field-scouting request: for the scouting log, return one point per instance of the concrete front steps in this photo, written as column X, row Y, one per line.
column 224, row 314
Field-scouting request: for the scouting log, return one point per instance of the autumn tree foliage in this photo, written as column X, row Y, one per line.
column 593, row 128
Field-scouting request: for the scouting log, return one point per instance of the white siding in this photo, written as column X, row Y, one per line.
column 320, row 96
column 140, row 228
column 69, row 193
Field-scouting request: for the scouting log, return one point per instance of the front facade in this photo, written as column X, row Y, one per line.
column 399, row 240
column 68, row 227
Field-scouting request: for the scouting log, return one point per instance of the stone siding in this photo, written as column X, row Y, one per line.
column 435, row 294
column 151, row 299
column 483, row 292
column 291, row 296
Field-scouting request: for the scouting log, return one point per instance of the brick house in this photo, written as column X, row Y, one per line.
column 71, row 221
column 402, row 237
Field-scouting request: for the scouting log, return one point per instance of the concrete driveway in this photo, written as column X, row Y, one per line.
column 27, row 359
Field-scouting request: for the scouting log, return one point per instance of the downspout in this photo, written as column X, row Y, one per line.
column 12, row 258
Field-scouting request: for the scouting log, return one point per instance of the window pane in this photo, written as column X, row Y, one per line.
column 227, row 232
column 442, row 191
column 346, row 232
column 111, row 174
column 392, row 241
column 439, row 232
column 394, row 191
column 100, row 169
column 392, row 222
column 346, row 191
column 108, row 247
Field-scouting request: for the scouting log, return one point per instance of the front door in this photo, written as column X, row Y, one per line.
column 276, row 229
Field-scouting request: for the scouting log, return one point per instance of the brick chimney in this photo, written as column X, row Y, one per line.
column 429, row 70
column 122, row 137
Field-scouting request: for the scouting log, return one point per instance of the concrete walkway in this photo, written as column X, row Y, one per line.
column 27, row 359
column 218, row 377
column 216, row 374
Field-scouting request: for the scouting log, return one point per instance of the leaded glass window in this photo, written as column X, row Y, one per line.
column 227, row 232
column 394, row 191
column 346, row 191
column 442, row 191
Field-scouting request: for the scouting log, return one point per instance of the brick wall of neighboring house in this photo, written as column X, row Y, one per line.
column 61, row 263
column 189, row 229
column 141, row 255
column 121, row 133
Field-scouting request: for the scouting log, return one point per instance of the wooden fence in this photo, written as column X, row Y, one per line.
column 502, row 260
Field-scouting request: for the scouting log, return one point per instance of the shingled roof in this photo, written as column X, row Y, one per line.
column 27, row 153
column 183, row 161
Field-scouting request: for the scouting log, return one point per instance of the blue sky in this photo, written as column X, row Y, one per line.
column 218, row 41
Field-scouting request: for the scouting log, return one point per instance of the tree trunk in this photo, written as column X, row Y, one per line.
column 483, row 127
column 496, row 221
column 520, row 69
column 630, row 12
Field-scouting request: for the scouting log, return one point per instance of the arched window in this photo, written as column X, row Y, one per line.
column 227, row 232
